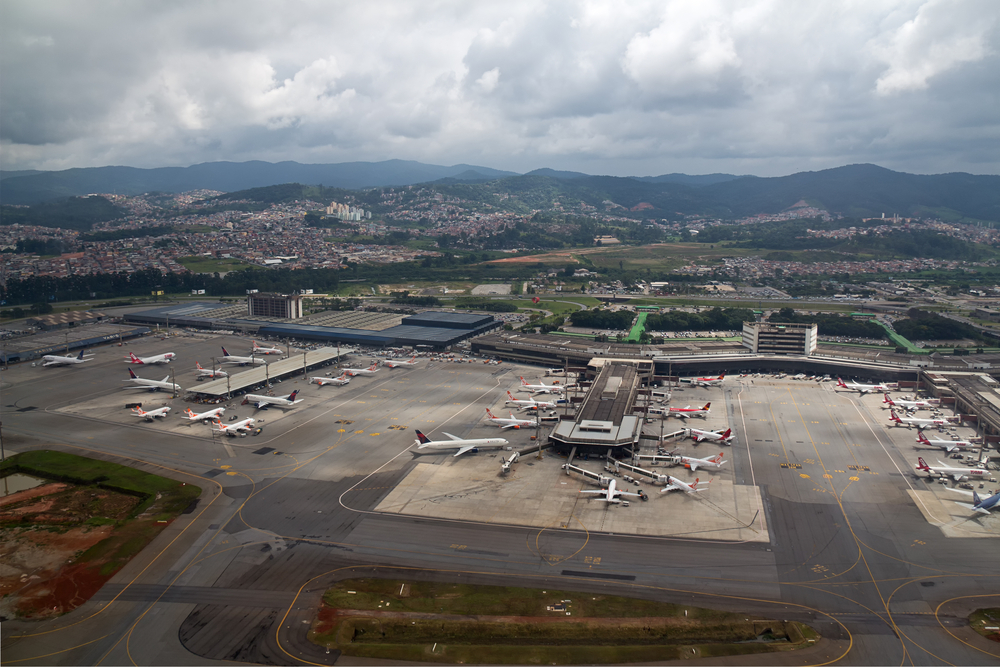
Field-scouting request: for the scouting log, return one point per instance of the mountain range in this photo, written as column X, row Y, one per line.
column 853, row 190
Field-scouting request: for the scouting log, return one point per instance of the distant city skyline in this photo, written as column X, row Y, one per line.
column 767, row 88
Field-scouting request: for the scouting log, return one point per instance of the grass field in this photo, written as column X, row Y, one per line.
column 199, row 264
column 502, row 625
column 986, row 618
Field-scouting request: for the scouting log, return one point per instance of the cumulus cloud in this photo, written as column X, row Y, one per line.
column 646, row 87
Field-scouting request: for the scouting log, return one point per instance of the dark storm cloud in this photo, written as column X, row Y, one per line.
column 765, row 87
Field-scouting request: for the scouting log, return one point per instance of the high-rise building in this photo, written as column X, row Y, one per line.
column 776, row 338
column 285, row 306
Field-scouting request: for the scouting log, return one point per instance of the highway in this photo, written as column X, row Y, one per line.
column 285, row 513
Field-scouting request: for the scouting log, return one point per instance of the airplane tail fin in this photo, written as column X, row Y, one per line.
column 509, row 396
column 717, row 459
column 489, row 414
column 132, row 374
column 922, row 465
column 188, row 412
column 727, row 435
column 138, row 411
column 976, row 500
column 198, row 365
column 694, row 487
column 708, row 406
column 523, row 383
column 922, row 439
column 893, row 416
column 292, row 396
column 887, row 400
column 80, row 356
column 840, row 383
column 422, row 439
column 134, row 359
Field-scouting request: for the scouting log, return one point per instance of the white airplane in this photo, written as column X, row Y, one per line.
column 257, row 349
column 342, row 380
column 674, row 484
column 206, row 373
column 714, row 463
column 611, row 493
column 56, row 360
column 684, row 413
column 203, row 416
column 397, row 364
column 149, row 415
column 956, row 473
column 505, row 423
column 506, row 464
column 527, row 403
column 947, row 445
column 862, row 388
column 540, row 388
column 157, row 359
column 914, row 421
column 262, row 402
column 705, row 382
column 243, row 426
column 371, row 370
column 153, row 385
column 981, row 505
column 909, row 405
column 725, row 437
column 463, row 446
column 232, row 359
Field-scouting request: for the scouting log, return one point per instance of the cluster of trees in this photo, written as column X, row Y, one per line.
column 486, row 304
column 602, row 319
column 115, row 234
column 716, row 319
column 80, row 213
column 40, row 246
column 831, row 324
column 925, row 325
column 405, row 298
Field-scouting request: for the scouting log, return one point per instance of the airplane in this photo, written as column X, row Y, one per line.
column 705, row 382
column 715, row 462
column 862, row 388
column 674, row 484
column 56, row 360
column 909, row 405
column 232, row 359
column 947, row 445
column 919, row 423
column 257, row 349
column 158, row 359
column 262, row 402
column 506, row 464
column 684, row 413
column 611, row 493
column 463, row 446
column 726, row 437
column 150, row 414
column 371, row 370
column 527, row 403
column 956, row 473
column 203, row 416
column 541, row 388
column 243, row 426
column 505, row 423
column 396, row 364
column 153, row 385
column 342, row 380
column 206, row 373
column 981, row 505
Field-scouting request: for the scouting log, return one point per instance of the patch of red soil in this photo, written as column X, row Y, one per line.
column 64, row 591
column 28, row 494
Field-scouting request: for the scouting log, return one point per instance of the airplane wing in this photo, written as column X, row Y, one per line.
column 503, row 428
column 958, row 476
column 463, row 450
column 694, row 465
column 599, row 491
column 51, row 363
column 262, row 404
column 453, row 437
column 962, row 491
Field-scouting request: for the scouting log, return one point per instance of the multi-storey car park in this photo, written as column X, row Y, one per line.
column 818, row 514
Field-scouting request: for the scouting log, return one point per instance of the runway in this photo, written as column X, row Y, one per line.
column 285, row 513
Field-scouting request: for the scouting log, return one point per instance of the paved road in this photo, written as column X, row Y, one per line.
column 239, row 578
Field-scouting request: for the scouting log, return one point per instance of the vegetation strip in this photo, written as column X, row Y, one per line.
column 457, row 623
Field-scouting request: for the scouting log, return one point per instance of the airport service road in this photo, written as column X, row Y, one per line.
column 291, row 510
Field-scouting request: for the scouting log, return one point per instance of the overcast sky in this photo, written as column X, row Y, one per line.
column 764, row 87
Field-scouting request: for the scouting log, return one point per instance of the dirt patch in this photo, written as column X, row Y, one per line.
column 43, row 533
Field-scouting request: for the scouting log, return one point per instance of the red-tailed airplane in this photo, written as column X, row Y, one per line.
column 207, row 373
column 909, row 405
column 674, row 484
column 371, row 370
column 862, row 388
column 527, row 403
column 56, row 360
column 919, row 423
column 705, row 382
column 956, row 473
column 392, row 363
column 157, row 359
column 203, row 416
column 257, row 349
column 342, row 380
column 684, row 413
column 513, row 422
column 540, row 388
column 244, row 426
column 947, row 445
column 725, row 437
